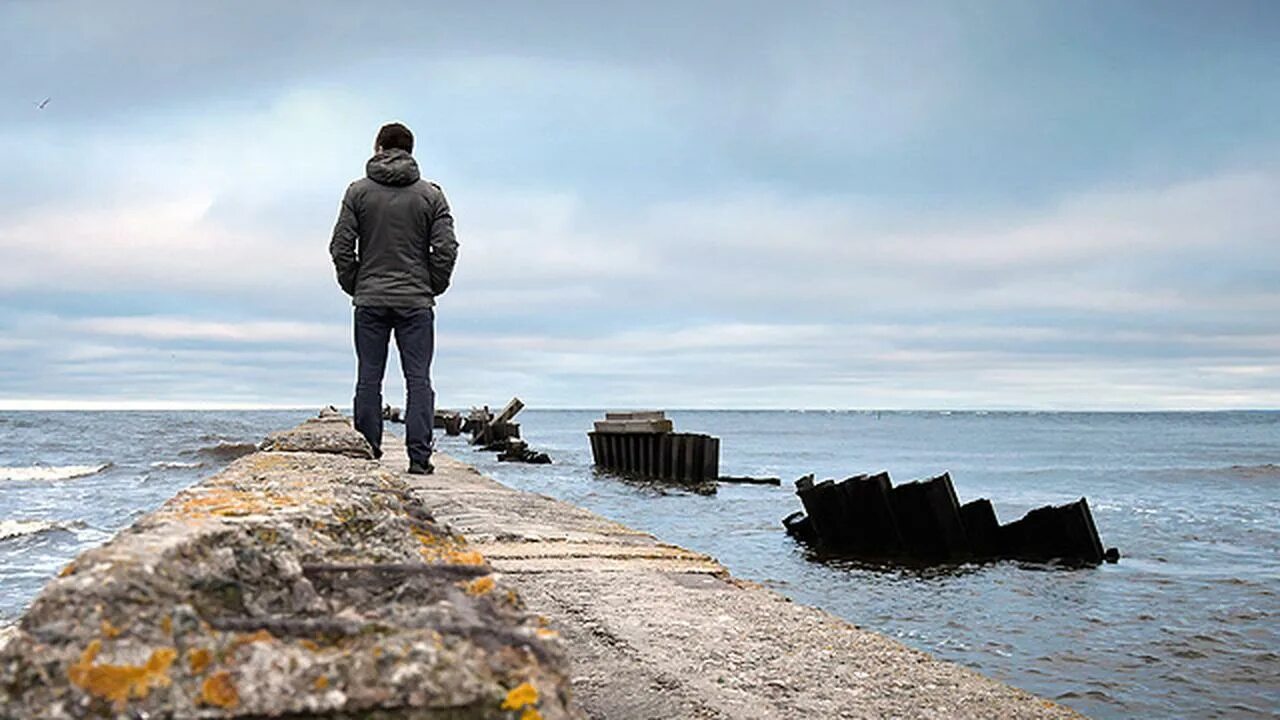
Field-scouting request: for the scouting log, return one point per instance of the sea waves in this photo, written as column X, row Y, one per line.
column 223, row 450
column 1265, row 470
column 10, row 529
column 50, row 472
column 176, row 465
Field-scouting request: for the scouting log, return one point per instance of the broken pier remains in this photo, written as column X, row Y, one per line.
column 497, row 433
column 865, row 516
column 645, row 443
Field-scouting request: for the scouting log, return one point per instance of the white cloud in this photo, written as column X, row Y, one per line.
column 161, row 244
column 179, row 328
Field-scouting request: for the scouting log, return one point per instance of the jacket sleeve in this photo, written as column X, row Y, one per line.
column 343, row 246
column 442, row 248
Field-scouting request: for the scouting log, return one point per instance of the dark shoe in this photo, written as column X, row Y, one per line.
column 420, row 469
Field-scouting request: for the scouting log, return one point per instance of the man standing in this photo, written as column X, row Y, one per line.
column 393, row 249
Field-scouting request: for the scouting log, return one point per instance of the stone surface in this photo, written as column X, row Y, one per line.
column 658, row 631
column 328, row 433
column 298, row 584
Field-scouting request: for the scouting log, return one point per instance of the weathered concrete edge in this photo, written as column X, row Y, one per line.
column 300, row 580
column 548, row 559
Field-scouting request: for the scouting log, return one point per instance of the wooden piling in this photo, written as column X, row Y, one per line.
column 981, row 527
column 928, row 517
column 1055, row 532
column 873, row 529
column 644, row 443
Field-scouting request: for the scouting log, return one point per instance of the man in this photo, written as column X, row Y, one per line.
column 393, row 248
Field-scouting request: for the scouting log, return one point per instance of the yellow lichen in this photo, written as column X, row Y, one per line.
column 546, row 633
column 228, row 502
column 198, row 660
column 218, row 690
column 471, row 557
column 70, row 568
column 446, row 549
column 480, row 586
column 266, row 462
column 520, row 696
column 118, row 683
column 531, row 713
column 254, row 637
column 108, row 630
column 309, row 644
column 321, row 683
column 167, row 624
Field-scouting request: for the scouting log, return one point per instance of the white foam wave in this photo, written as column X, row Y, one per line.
column 175, row 464
column 51, row 472
column 19, row 528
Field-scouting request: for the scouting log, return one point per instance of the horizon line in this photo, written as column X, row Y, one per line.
column 9, row 405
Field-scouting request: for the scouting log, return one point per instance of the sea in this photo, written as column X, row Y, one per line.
column 1186, row 624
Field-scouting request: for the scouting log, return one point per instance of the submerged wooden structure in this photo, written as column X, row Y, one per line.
column 496, row 433
column 866, row 516
column 645, row 443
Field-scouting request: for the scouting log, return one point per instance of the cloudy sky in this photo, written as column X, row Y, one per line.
column 672, row 204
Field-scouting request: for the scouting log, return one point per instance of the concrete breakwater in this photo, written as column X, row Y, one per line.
column 299, row 583
column 305, row 580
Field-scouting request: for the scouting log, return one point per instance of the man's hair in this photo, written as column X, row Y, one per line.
column 395, row 135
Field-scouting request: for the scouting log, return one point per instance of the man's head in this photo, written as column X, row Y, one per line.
column 394, row 136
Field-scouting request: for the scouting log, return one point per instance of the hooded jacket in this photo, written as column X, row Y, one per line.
column 393, row 244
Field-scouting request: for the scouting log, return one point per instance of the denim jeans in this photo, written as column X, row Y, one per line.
column 415, row 338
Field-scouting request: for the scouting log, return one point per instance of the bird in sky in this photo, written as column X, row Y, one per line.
column 40, row 105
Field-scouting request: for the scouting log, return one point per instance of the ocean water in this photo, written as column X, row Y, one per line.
column 1186, row 625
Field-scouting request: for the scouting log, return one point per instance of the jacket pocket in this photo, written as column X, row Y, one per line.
column 347, row 279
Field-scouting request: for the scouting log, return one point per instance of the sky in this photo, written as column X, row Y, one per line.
column 916, row 205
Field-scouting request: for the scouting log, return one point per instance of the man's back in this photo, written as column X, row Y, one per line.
column 395, row 234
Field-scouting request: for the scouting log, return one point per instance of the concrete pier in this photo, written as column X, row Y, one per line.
column 657, row 631
column 303, row 581
column 309, row 580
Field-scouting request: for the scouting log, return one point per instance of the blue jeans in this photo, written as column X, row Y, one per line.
column 415, row 338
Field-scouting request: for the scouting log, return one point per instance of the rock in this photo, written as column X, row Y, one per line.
column 518, row 451
column 296, row 584
column 325, row 434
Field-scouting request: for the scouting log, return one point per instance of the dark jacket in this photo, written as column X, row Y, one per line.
column 393, row 245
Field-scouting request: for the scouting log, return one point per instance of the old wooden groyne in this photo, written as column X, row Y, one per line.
column 866, row 516
column 645, row 443
column 308, row 580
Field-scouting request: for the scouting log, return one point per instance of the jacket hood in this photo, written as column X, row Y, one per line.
column 393, row 167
